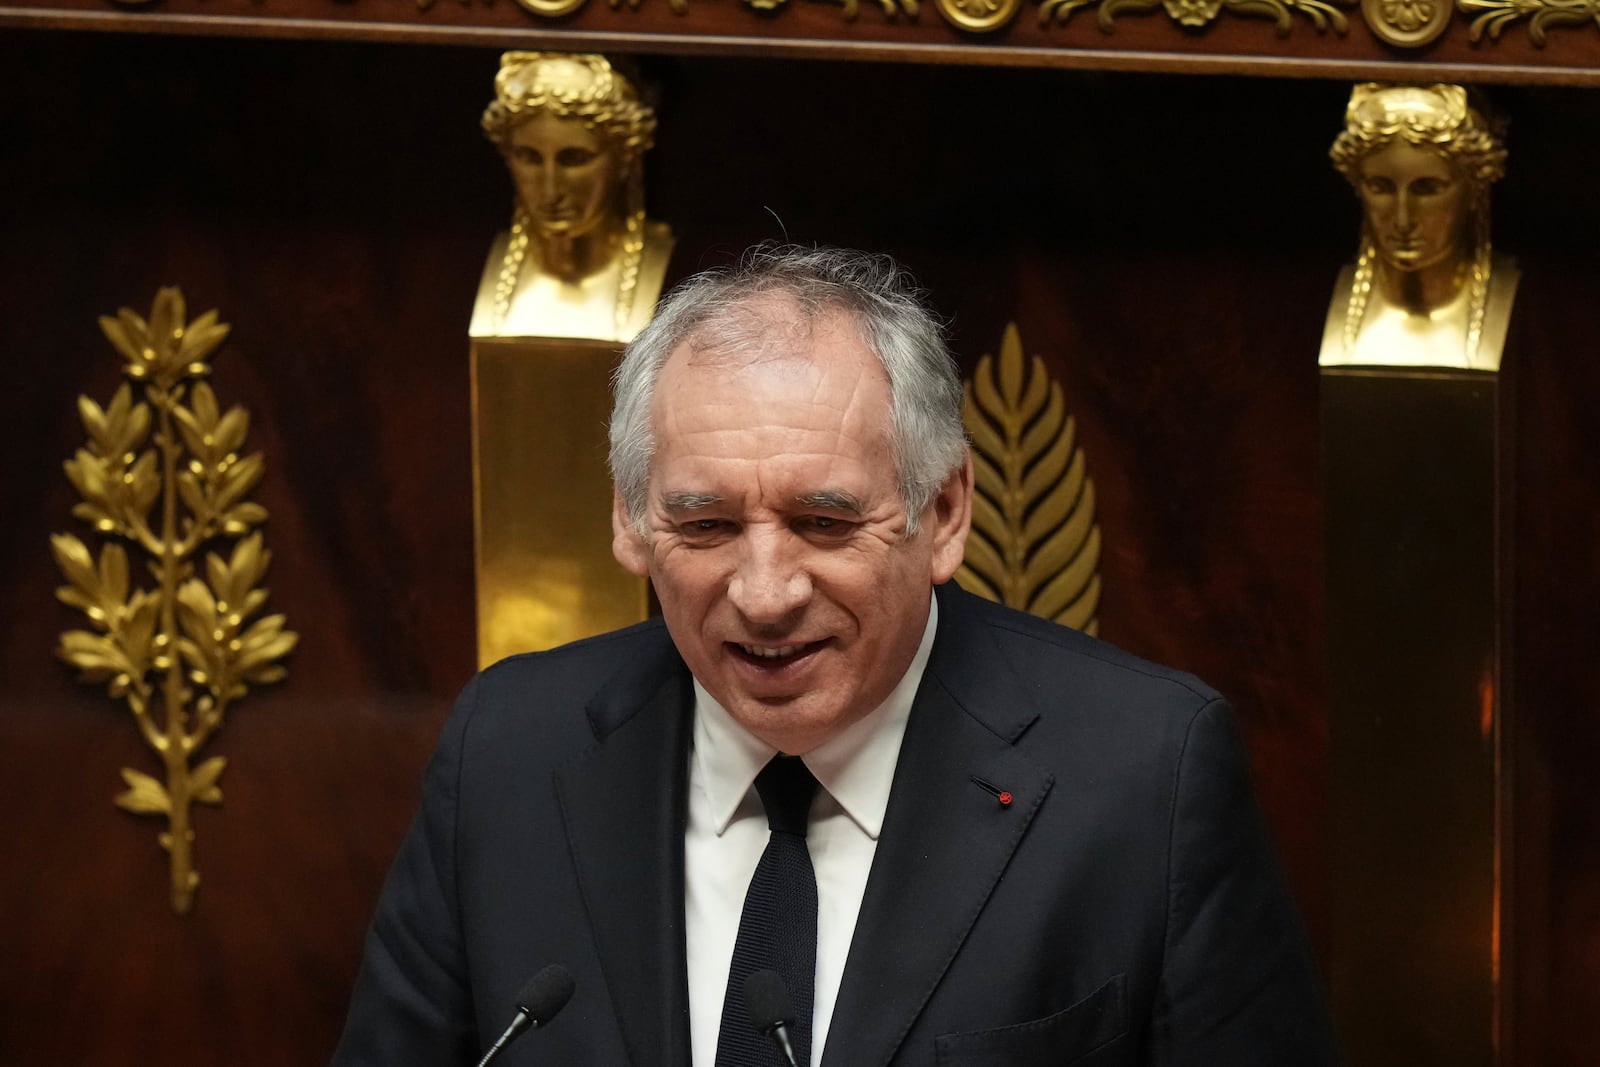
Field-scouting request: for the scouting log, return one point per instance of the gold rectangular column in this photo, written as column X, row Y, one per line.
column 542, row 496
column 1416, row 595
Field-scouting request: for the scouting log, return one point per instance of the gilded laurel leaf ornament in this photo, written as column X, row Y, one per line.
column 162, row 475
column 1034, row 543
column 1196, row 14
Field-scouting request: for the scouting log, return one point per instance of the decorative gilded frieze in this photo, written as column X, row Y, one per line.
column 1197, row 14
column 987, row 16
column 162, row 476
column 1034, row 543
column 1494, row 15
column 1402, row 24
column 1408, row 24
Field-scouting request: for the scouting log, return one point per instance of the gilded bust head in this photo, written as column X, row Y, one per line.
column 1421, row 159
column 571, row 130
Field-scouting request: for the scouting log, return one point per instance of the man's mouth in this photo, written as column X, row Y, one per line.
column 776, row 655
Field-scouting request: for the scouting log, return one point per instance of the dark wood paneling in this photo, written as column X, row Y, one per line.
column 1167, row 244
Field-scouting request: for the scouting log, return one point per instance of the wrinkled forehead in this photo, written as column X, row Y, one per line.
column 770, row 342
column 770, row 327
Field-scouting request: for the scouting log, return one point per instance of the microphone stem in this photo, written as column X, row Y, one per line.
column 518, row 1024
column 780, row 1038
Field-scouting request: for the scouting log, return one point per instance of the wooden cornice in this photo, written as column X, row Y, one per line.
column 1496, row 41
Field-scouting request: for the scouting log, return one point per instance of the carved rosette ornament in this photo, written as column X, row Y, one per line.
column 979, row 16
column 1034, row 543
column 1407, row 23
column 162, row 476
column 554, row 9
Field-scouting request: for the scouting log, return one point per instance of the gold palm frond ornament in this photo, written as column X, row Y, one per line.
column 163, row 476
column 1034, row 543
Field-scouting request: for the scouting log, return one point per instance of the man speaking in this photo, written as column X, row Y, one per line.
column 937, row 831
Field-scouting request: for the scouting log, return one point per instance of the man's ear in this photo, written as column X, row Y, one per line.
column 627, row 546
column 949, row 518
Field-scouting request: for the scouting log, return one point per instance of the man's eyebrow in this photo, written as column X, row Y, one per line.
column 831, row 500
column 684, row 500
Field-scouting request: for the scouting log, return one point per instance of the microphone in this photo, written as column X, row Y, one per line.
column 537, row 1003
column 771, row 1011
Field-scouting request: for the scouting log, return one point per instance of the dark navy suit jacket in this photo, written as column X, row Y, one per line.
column 1124, row 908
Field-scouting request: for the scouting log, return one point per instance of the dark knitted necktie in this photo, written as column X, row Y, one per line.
column 778, row 929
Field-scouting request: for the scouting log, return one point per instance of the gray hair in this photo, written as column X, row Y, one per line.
column 721, row 310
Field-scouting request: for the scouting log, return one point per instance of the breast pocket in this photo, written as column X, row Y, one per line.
column 1068, row 1036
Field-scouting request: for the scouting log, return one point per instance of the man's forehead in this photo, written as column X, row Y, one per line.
column 768, row 327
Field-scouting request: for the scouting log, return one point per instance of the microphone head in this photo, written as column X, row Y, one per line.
column 546, row 993
column 768, row 1000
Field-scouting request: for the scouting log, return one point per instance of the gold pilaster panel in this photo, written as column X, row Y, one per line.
column 542, row 496
column 1417, row 708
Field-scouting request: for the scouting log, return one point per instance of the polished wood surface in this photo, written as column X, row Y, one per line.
column 1166, row 244
column 1417, row 713
column 1151, row 40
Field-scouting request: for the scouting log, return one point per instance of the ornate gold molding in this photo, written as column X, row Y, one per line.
column 1196, row 14
column 181, row 653
column 1408, row 24
column 1034, row 543
column 1495, row 15
column 987, row 16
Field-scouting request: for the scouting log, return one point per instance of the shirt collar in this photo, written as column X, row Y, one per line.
column 856, row 767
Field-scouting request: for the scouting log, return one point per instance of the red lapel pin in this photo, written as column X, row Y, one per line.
column 1002, row 795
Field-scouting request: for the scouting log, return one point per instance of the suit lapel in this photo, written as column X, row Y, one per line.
column 945, row 841
column 624, row 805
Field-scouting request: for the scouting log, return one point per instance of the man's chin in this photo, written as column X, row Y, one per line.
column 785, row 723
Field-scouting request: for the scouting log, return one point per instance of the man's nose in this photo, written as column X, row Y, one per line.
column 770, row 583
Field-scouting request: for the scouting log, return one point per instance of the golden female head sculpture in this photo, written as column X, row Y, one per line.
column 581, row 87
column 1437, row 118
column 573, row 132
column 1422, row 160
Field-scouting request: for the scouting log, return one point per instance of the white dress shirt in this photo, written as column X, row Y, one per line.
column 727, row 833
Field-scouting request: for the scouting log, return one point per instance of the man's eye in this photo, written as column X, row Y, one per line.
column 702, row 529
column 825, row 525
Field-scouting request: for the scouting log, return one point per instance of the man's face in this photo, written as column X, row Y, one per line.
column 565, row 174
column 778, row 544
column 1416, row 206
